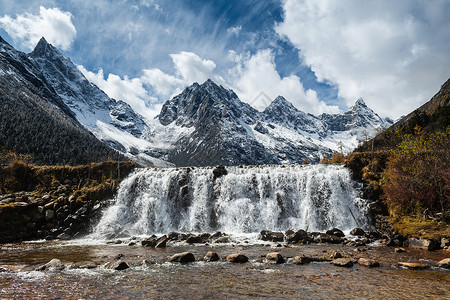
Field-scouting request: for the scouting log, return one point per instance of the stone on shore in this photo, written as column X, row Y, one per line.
column 343, row 262
column 370, row 263
column 274, row 258
column 237, row 258
column 183, row 257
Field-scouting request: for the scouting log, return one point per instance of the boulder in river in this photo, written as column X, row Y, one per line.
column 211, row 256
column 274, row 258
column 329, row 238
column 237, row 258
column 183, row 257
column 358, row 232
column 336, row 232
column 413, row 265
column 343, row 262
column 297, row 236
column 53, row 265
column 366, row 262
column 273, row 236
column 119, row 265
column 301, row 260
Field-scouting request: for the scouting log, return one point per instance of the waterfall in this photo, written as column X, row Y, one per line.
column 234, row 200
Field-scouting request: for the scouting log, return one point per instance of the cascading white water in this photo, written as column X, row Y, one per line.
column 244, row 200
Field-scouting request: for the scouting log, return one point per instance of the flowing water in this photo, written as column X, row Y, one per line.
column 241, row 202
column 245, row 200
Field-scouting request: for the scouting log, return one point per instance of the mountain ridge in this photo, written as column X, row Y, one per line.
column 206, row 124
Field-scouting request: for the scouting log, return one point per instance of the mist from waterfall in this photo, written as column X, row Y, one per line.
column 244, row 200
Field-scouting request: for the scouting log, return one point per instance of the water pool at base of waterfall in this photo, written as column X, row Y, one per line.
column 158, row 279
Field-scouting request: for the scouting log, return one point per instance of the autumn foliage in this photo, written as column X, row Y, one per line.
column 416, row 178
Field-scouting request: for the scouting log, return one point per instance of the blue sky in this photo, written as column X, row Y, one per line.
column 321, row 55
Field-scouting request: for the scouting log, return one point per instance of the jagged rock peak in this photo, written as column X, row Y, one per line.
column 43, row 48
column 360, row 103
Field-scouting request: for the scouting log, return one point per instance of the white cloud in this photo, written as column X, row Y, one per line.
column 256, row 76
column 235, row 30
column 394, row 54
column 55, row 25
column 192, row 68
column 131, row 91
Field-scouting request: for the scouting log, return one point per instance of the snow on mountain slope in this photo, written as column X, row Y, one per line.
column 206, row 124
column 111, row 121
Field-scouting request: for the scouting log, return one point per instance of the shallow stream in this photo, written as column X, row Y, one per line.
column 216, row 280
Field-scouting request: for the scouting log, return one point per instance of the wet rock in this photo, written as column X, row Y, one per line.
column 336, row 232
column 267, row 235
column 358, row 232
column 198, row 239
column 53, row 265
column 445, row 263
column 162, row 242
column 399, row 250
column 289, row 232
column 370, row 263
column 422, row 244
column 222, row 240
column 184, row 257
column 343, row 262
column 149, row 242
column 85, row 264
column 237, row 258
column 297, row 236
column 445, row 242
column 119, row 265
column 217, row 235
column 219, row 171
column 211, row 256
column 413, row 265
column 301, row 260
column 274, row 258
column 173, row 236
column 329, row 238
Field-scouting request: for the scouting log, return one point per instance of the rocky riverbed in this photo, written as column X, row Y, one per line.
column 235, row 267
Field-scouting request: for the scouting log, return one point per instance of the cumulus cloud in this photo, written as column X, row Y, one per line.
column 394, row 54
column 55, row 25
column 189, row 68
column 131, row 91
column 256, row 81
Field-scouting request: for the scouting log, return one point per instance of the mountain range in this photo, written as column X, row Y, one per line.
column 206, row 124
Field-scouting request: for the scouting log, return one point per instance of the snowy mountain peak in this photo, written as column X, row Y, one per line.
column 44, row 49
